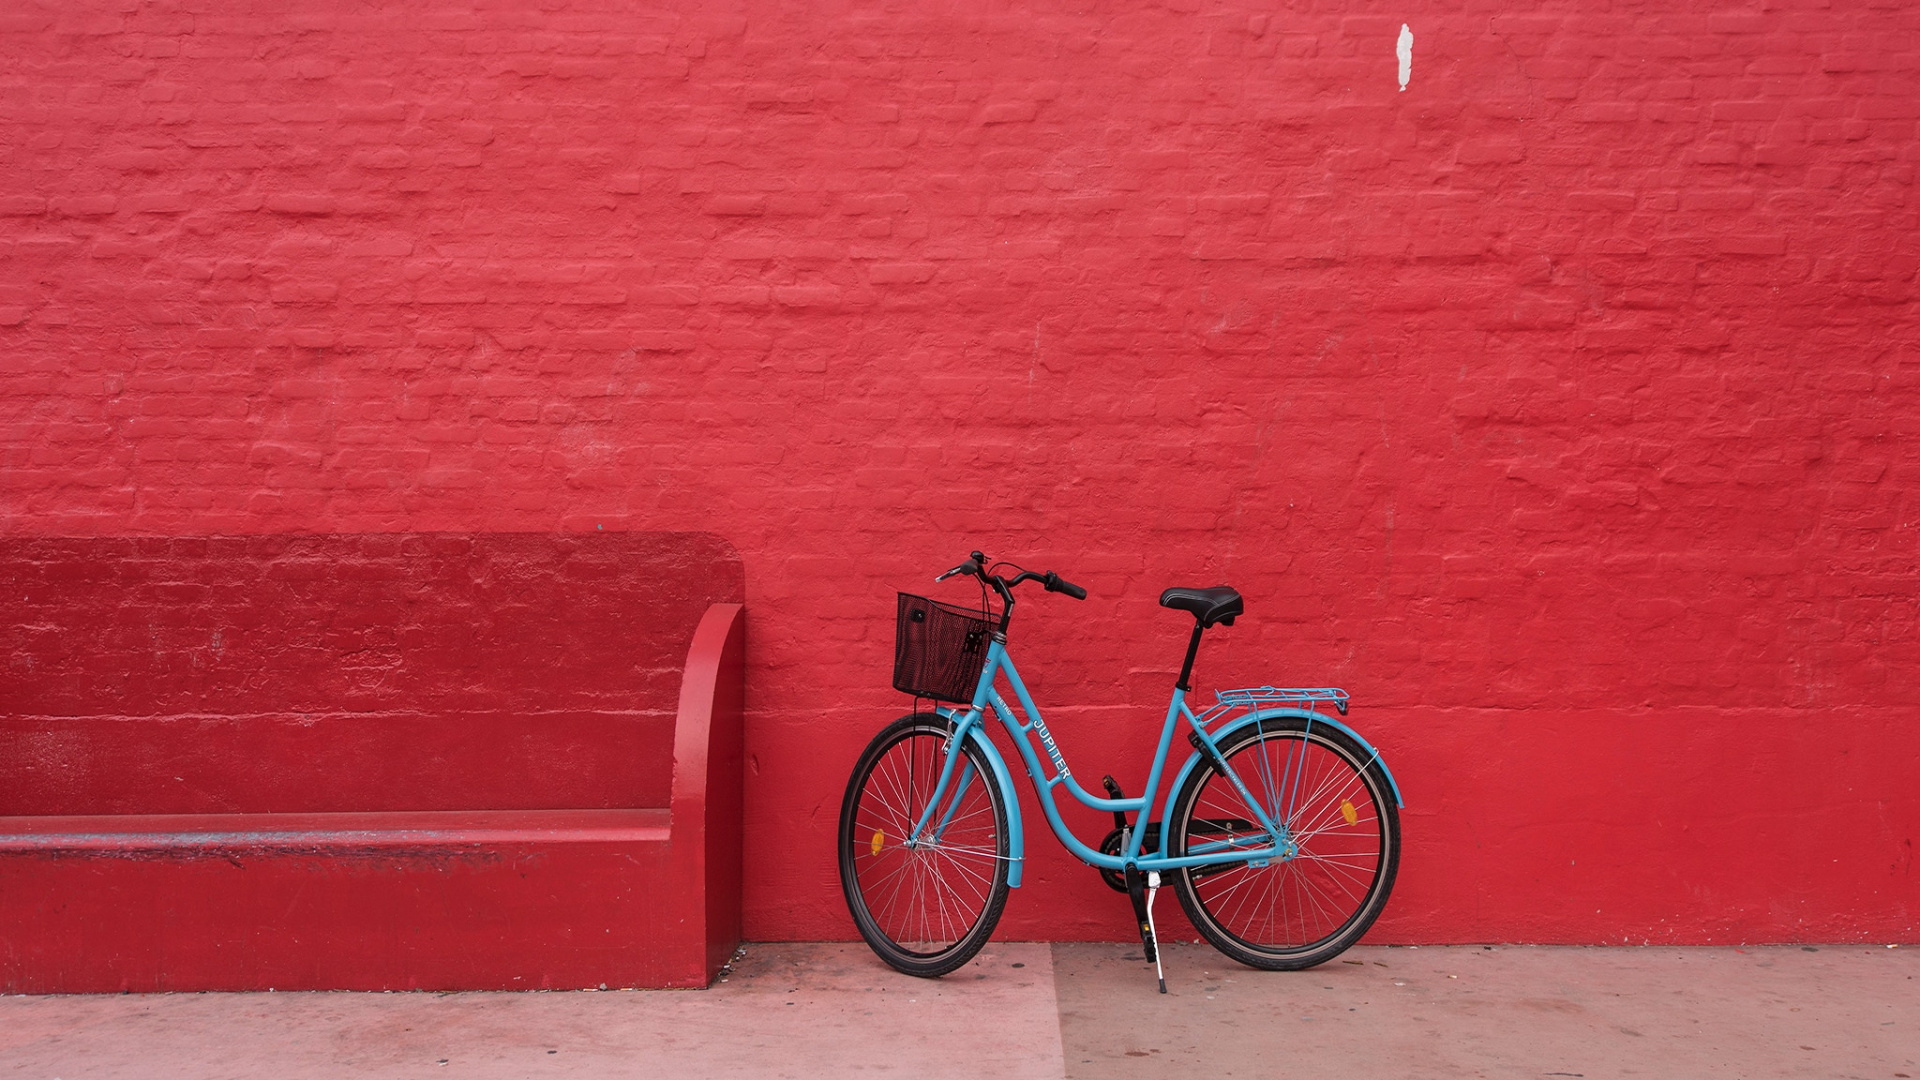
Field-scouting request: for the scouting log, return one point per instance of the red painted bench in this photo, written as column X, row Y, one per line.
column 382, row 761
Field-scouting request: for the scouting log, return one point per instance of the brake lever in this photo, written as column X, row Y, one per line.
column 972, row 565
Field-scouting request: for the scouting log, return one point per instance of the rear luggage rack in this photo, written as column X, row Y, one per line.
column 1308, row 696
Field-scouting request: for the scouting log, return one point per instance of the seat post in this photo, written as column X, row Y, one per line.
column 1193, row 650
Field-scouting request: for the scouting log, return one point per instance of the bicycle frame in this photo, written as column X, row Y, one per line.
column 970, row 724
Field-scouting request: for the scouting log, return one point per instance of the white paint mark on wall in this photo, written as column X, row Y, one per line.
column 1404, row 50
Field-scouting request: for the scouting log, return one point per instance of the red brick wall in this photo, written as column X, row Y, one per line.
column 1560, row 406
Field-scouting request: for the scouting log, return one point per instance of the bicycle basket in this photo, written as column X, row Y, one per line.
column 938, row 650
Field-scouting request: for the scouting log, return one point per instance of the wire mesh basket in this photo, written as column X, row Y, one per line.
column 939, row 650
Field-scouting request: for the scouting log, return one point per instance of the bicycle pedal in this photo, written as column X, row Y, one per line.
column 1113, row 792
column 1137, row 892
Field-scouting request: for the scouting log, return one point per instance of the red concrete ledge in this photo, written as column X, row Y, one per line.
column 444, row 899
column 185, row 836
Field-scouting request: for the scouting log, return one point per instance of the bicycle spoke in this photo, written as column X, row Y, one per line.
column 1346, row 788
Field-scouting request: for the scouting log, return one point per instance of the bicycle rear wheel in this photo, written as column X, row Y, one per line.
column 1336, row 802
column 928, row 907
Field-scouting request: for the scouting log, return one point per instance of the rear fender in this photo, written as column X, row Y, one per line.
column 1247, row 719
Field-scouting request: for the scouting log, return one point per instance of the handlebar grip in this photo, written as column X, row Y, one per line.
column 1055, row 583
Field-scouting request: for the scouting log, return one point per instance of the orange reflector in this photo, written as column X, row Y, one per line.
column 880, row 838
column 1346, row 811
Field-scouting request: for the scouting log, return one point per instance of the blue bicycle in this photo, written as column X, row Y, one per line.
column 1280, row 832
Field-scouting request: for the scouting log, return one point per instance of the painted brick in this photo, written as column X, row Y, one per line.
column 1554, row 406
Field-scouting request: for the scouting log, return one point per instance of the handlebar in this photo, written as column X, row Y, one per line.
column 976, row 566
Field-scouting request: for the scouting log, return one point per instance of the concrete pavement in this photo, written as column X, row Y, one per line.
column 1049, row 1011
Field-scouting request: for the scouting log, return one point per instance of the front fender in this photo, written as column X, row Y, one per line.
column 1193, row 760
column 1009, row 797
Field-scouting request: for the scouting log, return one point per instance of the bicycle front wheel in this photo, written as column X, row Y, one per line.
column 925, row 904
column 1335, row 801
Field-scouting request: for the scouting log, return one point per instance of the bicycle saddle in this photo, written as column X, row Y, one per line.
column 1216, row 605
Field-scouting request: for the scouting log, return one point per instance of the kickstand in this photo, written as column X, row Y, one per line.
column 1153, row 886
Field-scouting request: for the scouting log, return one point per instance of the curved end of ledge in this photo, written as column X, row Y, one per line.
column 709, row 752
column 709, row 722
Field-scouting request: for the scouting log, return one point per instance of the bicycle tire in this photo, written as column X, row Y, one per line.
column 925, row 910
column 1298, row 912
